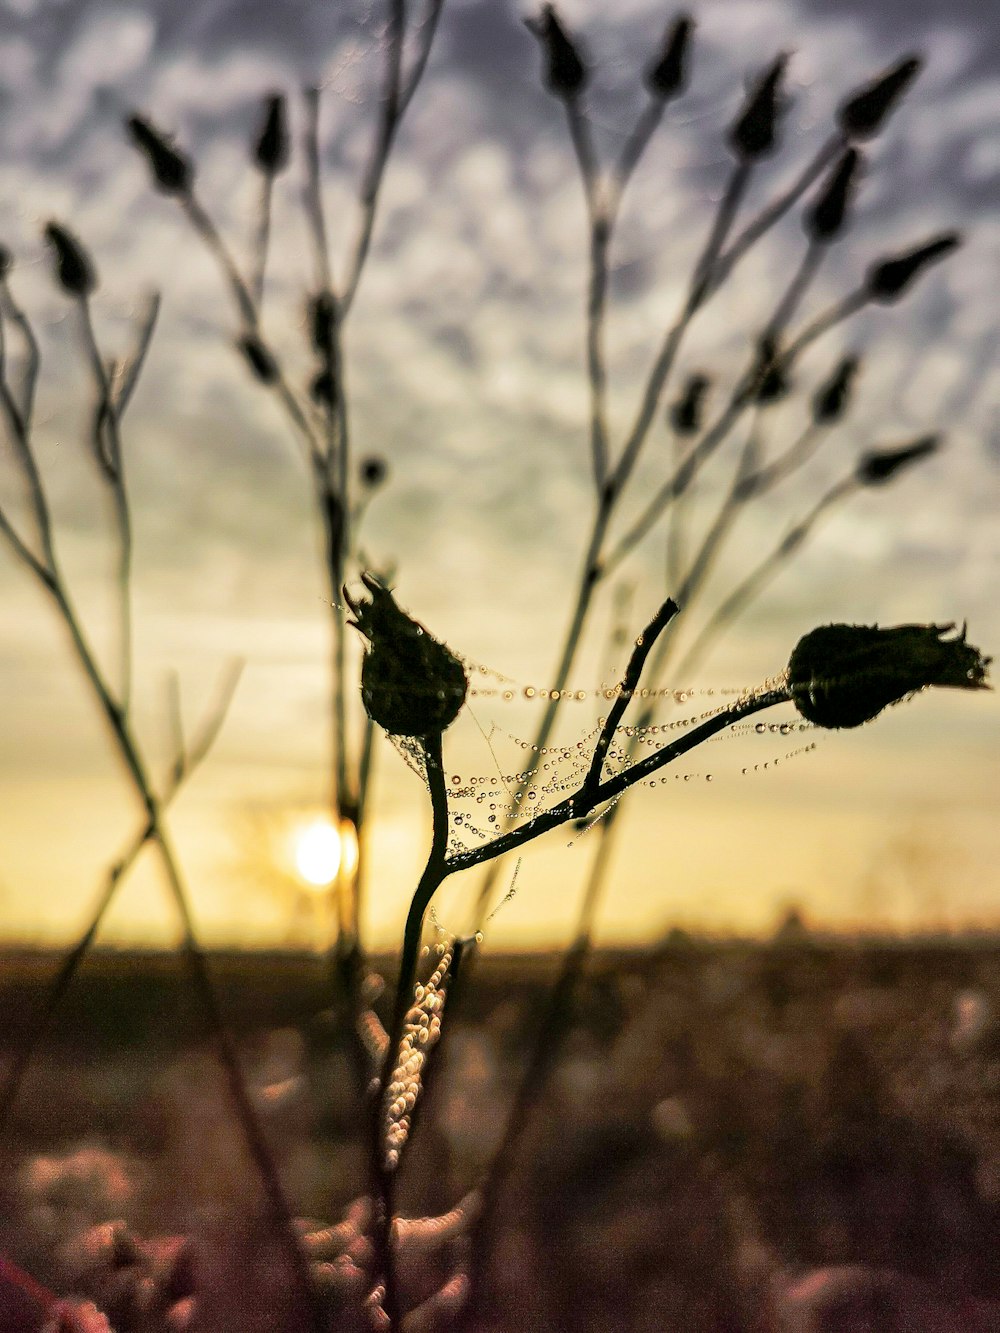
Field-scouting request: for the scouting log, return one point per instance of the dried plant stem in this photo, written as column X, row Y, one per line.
column 750, row 588
column 250, row 316
column 108, row 449
column 185, row 763
column 433, row 875
column 111, row 706
column 388, row 124
column 262, row 239
column 313, row 193
column 776, row 210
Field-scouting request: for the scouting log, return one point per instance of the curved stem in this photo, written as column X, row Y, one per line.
column 384, row 1170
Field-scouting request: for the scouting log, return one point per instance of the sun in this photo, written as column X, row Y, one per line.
column 317, row 851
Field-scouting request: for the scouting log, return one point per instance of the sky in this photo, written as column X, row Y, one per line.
column 465, row 372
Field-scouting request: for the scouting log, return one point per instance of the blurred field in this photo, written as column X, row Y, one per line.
column 725, row 1116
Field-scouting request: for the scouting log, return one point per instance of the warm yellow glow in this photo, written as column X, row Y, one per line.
column 317, row 853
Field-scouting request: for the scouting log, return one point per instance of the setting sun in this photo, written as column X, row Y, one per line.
column 317, row 853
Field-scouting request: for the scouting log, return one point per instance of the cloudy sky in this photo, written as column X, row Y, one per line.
column 465, row 372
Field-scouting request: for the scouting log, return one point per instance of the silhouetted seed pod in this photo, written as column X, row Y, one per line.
column 74, row 268
column 686, row 414
column 754, row 133
column 565, row 73
column 373, row 471
column 833, row 398
column 881, row 465
column 768, row 381
column 258, row 358
column 271, row 149
column 323, row 389
column 6, row 261
column 172, row 171
column 865, row 112
column 668, row 76
column 825, row 220
column 411, row 684
column 888, row 279
column 844, row 675
column 323, row 322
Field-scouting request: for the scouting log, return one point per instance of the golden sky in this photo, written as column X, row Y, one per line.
column 465, row 369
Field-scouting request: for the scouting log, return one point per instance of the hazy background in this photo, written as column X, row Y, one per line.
column 465, row 373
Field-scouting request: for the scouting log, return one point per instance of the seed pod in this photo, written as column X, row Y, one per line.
column 888, row 279
column 768, row 381
column 832, row 399
column 825, row 220
column 668, row 75
column 271, row 149
column 881, row 465
column 754, row 133
column 686, row 414
column 411, row 684
column 323, row 389
column 865, row 112
column 565, row 73
column 172, row 171
column 74, row 267
column 258, row 358
column 373, row 471
column 844, row 675
column 323, row 323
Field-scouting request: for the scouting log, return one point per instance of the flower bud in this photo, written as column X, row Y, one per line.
column 832, row 399
column 323, row 389
column 865, row 112
column 172, row 171
column 888, row 279
column 686, row 414
column 768, row 381
column 881, row 465
column 411, row 684
column 270, row 152
column 258, row 358
column 323, row 323
column 753, row 134
column 373, row 471
column 844, row 675
column 74, row 267
column 565, row 72
column 825, row 220
column 668, row 76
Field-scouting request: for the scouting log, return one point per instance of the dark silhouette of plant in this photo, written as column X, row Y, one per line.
column 411, row 685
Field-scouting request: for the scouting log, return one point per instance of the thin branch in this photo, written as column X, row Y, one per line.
column 643, row 646
column 313, row 193
column 388, row 124
column 29, row 379
column 262, row 239
column 249, row 315
column 129, row 375
column 775, row 211
column 751, row 587
column 722, row 221
column 612, row 787
column 108, row 450
column 383, row 1167
column 426, row 34
column 182, row 768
